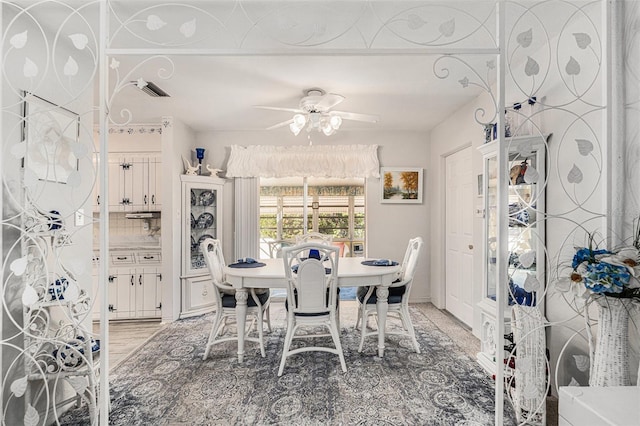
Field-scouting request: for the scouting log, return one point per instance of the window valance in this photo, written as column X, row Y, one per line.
column 338, row 161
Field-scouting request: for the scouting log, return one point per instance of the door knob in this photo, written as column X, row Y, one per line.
column 470, row 246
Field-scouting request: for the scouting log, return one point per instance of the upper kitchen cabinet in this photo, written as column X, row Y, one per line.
column 134, row 182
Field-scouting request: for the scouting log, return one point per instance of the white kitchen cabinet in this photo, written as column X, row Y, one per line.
column 134, row 182
column 201, row 218
column 135, row 285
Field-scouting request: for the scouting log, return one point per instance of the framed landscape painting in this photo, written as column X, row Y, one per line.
column 401, row 185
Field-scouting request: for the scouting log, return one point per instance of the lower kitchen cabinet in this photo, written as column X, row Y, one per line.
column 135, row 291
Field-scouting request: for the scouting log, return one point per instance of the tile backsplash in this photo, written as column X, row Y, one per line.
column 119, row 225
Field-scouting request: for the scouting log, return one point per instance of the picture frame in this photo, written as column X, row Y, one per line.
column 401, row 185
column 51, row 134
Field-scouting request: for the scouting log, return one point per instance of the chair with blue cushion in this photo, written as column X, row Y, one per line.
column 398, row 298
column 257, row 303
column 312, row 298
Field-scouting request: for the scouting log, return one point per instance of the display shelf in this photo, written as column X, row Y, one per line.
column 525, row 237
column 202, row 199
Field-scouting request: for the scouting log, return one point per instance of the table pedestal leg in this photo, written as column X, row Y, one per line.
column 382, row 306
column 241, row 318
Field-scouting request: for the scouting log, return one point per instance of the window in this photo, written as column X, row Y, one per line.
column 293, row 206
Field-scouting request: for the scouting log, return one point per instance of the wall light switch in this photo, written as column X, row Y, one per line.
column 79, row 217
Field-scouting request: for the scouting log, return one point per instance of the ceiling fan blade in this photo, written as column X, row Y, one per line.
column 369, row 118
column 328, row 101
column 284, row 123
column 296, row 110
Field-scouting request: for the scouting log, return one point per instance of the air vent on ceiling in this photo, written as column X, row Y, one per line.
column 153, row 90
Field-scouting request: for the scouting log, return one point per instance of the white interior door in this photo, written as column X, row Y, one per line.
column 459, row 236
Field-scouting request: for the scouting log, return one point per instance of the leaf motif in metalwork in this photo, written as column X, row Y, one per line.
column 155, row 23
column 79, row 150
column 71, row 67
column 79, row 384
column 448, row 28
column 584, row 146
column 464, row 82
column 19, row 40
column 18, row 266
column 31, row 416
column 582, row 40
column 19, row 150
column 525, row 38
column 72, row 292
column 79, row 40
column 531, row 175
column 30, row 69
column 573, row 67
column 414, row 21
column 527, row 258
column 531, row 283
column 74, row 179
column 188, row 29
column 532, row 67
column 575, row 175
column 115, row 64
column 582, row 362
column 29, row 296
column 19, row 386
column 491, row 64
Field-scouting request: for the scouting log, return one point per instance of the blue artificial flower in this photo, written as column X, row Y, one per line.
column 585, row 254
column 604, row 277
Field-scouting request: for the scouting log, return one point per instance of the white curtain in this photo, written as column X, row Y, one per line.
column 338, row 161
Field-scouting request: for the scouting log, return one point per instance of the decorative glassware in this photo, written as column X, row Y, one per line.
column 200, row 157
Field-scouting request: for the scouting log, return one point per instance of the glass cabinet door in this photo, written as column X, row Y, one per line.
column 202, row 223
column 491, row 209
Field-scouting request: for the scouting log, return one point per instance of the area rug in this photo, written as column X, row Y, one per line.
column 166, row 382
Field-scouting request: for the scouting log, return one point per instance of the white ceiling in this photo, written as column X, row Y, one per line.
column 219, row 93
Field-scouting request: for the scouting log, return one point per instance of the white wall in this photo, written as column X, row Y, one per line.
column 459, row 131
column 176, row 143
column 389, row 226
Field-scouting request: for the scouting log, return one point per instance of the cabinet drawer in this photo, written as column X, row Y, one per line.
column 126, row 258
column 149, row 257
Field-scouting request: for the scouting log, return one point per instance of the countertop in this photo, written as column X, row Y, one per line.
column 133, row 242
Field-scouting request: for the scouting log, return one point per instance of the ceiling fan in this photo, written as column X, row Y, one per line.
column 314, row 112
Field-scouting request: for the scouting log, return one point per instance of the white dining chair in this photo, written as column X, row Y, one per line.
column 314, row 237
column 312, row 298
column 398, row 298
column 257, row 303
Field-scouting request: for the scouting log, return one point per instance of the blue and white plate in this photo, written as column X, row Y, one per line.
column 207, row 198
column 205, row 220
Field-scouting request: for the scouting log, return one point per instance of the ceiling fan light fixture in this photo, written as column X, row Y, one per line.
column 335, row 121
column 327, row 129
column 299, row 120
column 294, row 129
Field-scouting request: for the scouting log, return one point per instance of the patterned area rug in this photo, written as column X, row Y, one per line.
column 166, row 382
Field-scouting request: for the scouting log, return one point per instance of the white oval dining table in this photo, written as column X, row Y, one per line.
column 351, row 273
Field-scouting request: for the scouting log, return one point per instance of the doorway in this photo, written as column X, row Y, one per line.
column 459, row 282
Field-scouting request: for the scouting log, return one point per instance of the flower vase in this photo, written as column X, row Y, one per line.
column 610, row 356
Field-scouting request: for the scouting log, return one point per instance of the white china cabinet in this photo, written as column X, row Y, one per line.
column 523, row 347
column 201, row 218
